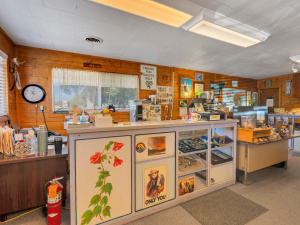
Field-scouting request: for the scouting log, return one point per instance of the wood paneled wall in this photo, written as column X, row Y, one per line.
column 286, row 101
column 39, row 62
column 8, row 46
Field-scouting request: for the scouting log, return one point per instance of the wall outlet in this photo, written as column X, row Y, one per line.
column 42, row 108
column 166, row 107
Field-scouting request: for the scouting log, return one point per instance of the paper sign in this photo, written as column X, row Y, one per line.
column 52, row 191
column 148, row 78
column 270, row 102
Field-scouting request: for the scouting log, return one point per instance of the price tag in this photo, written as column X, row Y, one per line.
column 52, row 191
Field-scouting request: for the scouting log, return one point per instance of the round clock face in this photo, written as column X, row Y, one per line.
column 33, row 93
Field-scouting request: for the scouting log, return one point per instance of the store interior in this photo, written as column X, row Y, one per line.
column 189, row 110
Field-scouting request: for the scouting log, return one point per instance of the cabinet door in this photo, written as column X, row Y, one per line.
column 103, row 179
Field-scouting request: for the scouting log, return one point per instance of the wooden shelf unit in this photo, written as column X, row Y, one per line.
column 248, row 134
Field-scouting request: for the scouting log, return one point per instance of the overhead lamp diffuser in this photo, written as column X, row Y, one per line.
column 222, row 28
column 295, row 58
column 149, row 9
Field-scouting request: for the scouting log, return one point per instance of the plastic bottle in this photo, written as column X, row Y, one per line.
column 34, row 144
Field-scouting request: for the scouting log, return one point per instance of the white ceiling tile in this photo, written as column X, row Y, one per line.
column 41, row 12
column 91, row 10
column 74, row 20
column 64, row 25
column 17, row 7
column 61, row 5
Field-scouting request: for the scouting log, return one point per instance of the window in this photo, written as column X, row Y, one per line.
column 3, row 85
column 92, row 90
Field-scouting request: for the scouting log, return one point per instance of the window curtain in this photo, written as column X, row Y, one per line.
column 92, row 78
column 3, row 88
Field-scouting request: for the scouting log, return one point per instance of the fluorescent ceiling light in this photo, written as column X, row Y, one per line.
column 222, row 28
column 295, row 58
column 149, row 9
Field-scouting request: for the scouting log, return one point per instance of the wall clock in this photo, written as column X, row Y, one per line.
column 33, row 93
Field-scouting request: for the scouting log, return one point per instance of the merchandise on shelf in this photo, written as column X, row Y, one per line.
column 193, row 144
column 218, row 141
column 217, row 157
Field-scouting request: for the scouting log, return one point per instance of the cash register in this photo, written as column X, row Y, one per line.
column 206, row 108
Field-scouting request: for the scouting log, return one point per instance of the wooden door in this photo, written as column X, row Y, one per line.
column 269, row 93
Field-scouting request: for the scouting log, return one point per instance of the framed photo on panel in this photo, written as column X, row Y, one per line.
column 185, row 87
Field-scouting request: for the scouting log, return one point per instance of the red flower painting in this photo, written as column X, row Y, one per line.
column 99, row 202
column 96, row 158
column 117, row 146
column 117, row 162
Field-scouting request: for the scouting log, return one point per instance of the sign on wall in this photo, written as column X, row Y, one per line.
column 148, row 78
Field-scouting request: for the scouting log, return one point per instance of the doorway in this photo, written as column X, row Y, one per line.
column 269, row 96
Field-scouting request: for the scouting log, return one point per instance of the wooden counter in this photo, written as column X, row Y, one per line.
column 22, row 180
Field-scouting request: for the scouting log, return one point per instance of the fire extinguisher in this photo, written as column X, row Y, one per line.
column 53, row 198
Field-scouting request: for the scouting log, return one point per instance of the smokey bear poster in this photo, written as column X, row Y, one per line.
column 155, row 185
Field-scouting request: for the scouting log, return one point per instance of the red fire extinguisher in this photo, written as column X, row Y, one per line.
column 53, row 197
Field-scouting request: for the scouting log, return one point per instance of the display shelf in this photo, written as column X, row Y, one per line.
column 199, row 184
column 191, row 153
column 190, row 172
column 222, row 172
column 221, row 164
column 224, row 146
column 190, row 164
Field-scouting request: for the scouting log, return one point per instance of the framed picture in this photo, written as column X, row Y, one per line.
column 186, row 88
column 199, row 76
column 288, row 87
column 155, row 185
column 198, row 87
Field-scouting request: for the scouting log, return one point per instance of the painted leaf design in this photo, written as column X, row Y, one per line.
column 104, row 201
column 107, row 188
column 103, row 157
column 95, row 199
column 106, row 211
column 97, row 210
column 87, row 217
column 107, row 147
column 103, row 174
column 110, row 143
column 99, row 183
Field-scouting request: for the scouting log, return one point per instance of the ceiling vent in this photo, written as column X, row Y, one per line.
column 93, row 40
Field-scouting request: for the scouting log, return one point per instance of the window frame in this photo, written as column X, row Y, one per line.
column 68, row 111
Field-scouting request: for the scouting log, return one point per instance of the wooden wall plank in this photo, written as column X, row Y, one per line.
column 39, row 62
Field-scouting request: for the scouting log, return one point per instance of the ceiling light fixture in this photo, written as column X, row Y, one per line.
column 149, row 9
column 220, row 27
column 295, row 58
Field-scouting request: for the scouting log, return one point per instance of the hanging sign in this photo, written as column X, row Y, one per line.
column 92, row 65
column 148, row 78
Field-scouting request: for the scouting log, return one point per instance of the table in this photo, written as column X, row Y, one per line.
column 22, row 180
column 253, row 156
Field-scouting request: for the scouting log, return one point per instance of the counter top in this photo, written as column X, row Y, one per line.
column 148, row 125
column 287, row 115
column 51, row 155
column 282, row 139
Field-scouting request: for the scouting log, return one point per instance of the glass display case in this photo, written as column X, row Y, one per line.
column 222, row 154
column 191, row 166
